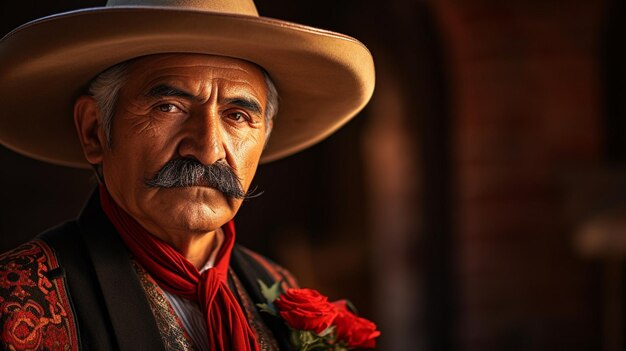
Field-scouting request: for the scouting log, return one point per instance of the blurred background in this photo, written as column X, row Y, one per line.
column 477, row 203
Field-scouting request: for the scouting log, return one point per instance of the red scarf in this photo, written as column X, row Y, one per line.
column 227, row 326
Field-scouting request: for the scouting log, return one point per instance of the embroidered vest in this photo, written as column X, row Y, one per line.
column 35, row 310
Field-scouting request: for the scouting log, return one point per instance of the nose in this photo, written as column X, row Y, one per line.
column 204, row 137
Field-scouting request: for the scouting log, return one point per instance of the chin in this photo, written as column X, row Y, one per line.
column 202, row 218
column 192, row 209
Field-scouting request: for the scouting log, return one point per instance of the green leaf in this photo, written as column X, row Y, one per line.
column 271, row 293
column 306, row 337
column 327, row 332
column 296, row 340
column 267, row 308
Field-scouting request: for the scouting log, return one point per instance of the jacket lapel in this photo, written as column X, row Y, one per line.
column 249, row 271
column 124, row 297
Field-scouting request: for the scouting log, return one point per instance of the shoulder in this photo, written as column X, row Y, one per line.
column 255, row 261
column 35, row 311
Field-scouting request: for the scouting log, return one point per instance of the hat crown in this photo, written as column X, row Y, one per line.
column 239, row 7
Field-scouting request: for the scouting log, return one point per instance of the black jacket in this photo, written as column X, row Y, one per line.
column 76, row 285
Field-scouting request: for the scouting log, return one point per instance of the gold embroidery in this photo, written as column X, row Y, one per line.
column 174, row 336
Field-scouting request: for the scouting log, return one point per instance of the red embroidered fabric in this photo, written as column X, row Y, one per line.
column 227, row 326
column 35, row 310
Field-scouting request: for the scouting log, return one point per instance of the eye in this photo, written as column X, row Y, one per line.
column 238, row 116
column 168, row 108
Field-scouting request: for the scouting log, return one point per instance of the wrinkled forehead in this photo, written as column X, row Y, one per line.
column 195, row 73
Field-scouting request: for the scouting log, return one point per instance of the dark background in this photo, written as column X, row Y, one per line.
column 477, row 203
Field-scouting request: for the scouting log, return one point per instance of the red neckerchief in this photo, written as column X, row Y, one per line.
column 227, row 325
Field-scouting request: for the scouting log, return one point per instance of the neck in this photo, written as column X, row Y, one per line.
column 196, row 248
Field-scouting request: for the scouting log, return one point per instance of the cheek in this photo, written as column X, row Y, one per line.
column 136, row 155
column 146, row 138
column 123, row 164
column 140, row 126
column 248, row 149
column 246, row 153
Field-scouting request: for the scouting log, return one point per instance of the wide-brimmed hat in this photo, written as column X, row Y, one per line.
column 323, row 78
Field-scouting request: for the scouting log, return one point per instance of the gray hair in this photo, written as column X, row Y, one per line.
column 105, row 89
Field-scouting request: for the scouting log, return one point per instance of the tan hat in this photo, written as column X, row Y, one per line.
column 323, row 78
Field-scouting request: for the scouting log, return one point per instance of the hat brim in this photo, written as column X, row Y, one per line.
column 323, row 78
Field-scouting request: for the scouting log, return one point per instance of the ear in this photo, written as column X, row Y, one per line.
column 87, row 120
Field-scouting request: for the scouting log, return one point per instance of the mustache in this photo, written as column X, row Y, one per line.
column 187, row 172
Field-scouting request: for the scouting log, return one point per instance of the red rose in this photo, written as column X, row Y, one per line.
column 306, row 309
column 353, row 330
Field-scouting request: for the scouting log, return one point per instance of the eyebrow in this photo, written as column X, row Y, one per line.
column 245, row 103
column 168, row 90
column 162, row 90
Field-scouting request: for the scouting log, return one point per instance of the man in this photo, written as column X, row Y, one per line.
column 173, row 103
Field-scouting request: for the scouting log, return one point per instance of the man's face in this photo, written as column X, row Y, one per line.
column 207, row 108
